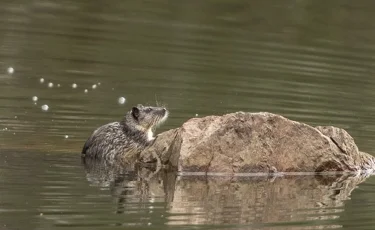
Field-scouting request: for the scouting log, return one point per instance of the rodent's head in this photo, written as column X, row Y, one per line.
column 148, row 117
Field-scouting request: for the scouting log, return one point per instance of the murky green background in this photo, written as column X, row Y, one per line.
column 309, row 60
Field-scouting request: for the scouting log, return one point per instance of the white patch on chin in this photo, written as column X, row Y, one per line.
column 150, row 135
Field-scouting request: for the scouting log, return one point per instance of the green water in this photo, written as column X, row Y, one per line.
column 311, row 61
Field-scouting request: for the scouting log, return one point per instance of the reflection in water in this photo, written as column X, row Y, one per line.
column 220, row 200
column 261, row 200
column 134, row 189
column 122, row 180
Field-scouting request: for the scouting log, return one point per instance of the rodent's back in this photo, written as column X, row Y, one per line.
column 110, row 140
column 128, row 137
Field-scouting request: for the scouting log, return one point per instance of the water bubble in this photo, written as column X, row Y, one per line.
column 74, row 85
column 58, row 85
column 50, row 85
column 121, row 100
column 5, row 129
column 15, row 117
column 99, row 83
column 196, row 115
column 35, row 98
column 41, row 80
column 93, row 86
column 45, row 107
column 66, row 136
column 148, row 223
column 10, row 70
column 86, row 90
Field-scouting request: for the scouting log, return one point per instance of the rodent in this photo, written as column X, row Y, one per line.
column 129, row 136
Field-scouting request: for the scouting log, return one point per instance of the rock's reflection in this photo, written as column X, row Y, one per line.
column 249, row 200
column 196, row 200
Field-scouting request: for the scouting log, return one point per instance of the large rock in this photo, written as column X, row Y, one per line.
column 257, row 143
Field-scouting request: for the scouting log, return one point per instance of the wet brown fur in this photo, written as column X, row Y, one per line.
column 127, row 137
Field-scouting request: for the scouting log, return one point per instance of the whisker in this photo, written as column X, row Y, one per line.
column 156, row 100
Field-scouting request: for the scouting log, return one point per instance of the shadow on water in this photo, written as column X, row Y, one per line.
column 314, row 200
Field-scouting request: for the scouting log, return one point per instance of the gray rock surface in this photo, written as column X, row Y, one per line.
column 257, row 143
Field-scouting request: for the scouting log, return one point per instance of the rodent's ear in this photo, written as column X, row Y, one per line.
column 135, row 112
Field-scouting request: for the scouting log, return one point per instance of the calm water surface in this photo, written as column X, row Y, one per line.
column 311, row 61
